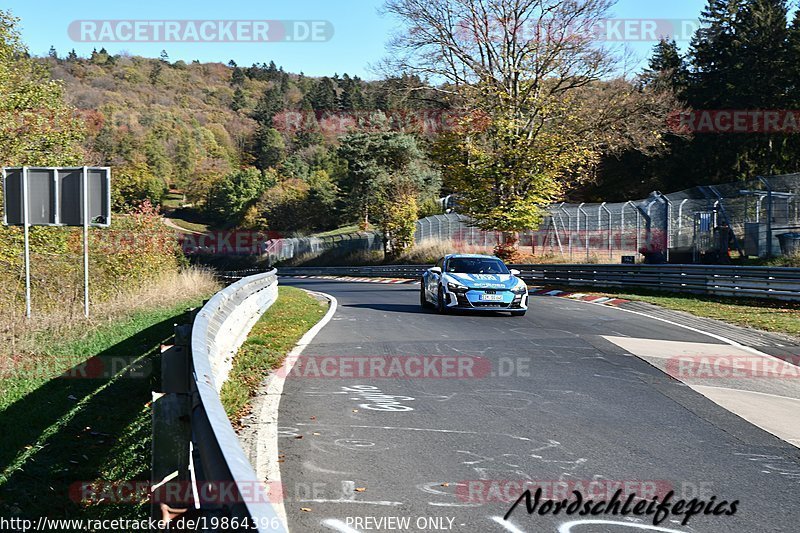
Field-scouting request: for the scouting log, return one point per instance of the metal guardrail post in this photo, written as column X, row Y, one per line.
column 171, row 430
column 194, row 444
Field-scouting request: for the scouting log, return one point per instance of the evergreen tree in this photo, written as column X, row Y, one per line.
column 239, row 100
column 713, row 56
column 237, row 76
column 793, row 58
column 763, row 33
column 270, row 103
column 323, row 96
column 666, row 69
column 270, row 149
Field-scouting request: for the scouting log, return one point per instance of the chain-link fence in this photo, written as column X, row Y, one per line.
column 700, row 224
column 308, row 247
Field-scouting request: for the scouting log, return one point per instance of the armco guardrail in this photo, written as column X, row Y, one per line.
column 217, row 468
column 754, row 282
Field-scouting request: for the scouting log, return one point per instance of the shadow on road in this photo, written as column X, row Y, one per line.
column 418, row 310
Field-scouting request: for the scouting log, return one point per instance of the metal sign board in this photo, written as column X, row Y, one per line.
column 56, row 196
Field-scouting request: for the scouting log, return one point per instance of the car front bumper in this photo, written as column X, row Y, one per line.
column 471, row 301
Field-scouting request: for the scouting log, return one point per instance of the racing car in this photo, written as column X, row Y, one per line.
column 469, row 282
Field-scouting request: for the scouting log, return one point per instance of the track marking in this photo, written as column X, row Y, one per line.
column 726, row 340
column 365, row 502
column 567, row 526
column 338, row 525
column 395, row 428
column 267, row 466
column 508, row 526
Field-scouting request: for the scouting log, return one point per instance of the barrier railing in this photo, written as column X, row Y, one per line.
column 743, row 281
column 194, row 444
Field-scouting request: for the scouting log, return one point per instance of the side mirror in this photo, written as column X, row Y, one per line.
column 435, row 270
column 515, row 272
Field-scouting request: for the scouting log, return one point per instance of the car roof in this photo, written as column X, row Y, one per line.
column 471, row 256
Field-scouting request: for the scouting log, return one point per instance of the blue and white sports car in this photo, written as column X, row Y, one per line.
column 473, row 283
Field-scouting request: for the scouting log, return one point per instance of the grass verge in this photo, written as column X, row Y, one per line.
column 272, row 337
column 74, row 406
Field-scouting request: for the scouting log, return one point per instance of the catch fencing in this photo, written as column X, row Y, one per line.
column 308, row 247
column 692, row 225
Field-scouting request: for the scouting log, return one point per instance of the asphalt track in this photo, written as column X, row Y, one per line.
column 558, row 403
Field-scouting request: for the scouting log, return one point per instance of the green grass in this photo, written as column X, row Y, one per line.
column 767, row 315
column 190, row 219
column 58, row 431
column 191, row 226
column 273, row 336
column 172, row 200
column 338, row 231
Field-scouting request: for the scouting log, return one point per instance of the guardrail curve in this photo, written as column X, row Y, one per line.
column 219, row 329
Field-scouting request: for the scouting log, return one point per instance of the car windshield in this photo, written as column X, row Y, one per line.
column 476, row 265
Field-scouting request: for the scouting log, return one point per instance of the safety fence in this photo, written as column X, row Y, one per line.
column 733, row 281
column 194, row 444
column 694, row 225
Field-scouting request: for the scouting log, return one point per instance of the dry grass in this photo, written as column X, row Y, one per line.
column 21, row 335
column 429, row 252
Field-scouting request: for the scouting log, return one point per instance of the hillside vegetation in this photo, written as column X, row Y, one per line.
column 248, row 146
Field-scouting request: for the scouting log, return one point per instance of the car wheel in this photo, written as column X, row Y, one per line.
column 518, row 313
column 440, row 305
column 423, row 301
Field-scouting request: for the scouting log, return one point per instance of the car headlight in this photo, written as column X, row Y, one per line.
column 520, row 289
column 456, row 287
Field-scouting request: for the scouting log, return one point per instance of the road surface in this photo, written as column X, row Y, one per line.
column 552, row 399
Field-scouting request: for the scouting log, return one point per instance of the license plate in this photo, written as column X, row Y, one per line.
column 491, row 297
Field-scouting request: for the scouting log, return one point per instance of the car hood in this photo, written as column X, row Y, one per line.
column 483, row 281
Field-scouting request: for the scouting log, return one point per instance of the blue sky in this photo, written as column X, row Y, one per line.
column 359, row 40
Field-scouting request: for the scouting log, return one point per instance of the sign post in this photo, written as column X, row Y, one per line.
column 85, row 202
column 26, row 223
column 57, row 196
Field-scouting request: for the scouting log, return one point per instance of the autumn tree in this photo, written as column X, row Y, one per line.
column 37, row 127
column 525, row 63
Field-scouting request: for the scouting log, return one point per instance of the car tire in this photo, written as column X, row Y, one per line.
column 423, row 301
column 441, row 308
column 519, row 313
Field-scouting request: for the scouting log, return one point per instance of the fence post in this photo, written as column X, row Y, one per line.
column 582, row 211
column 668, row 224
column 610, row 225
column 769, row 216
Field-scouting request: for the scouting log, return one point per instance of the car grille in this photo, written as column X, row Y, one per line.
column 463, row 301
column 493, row 305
